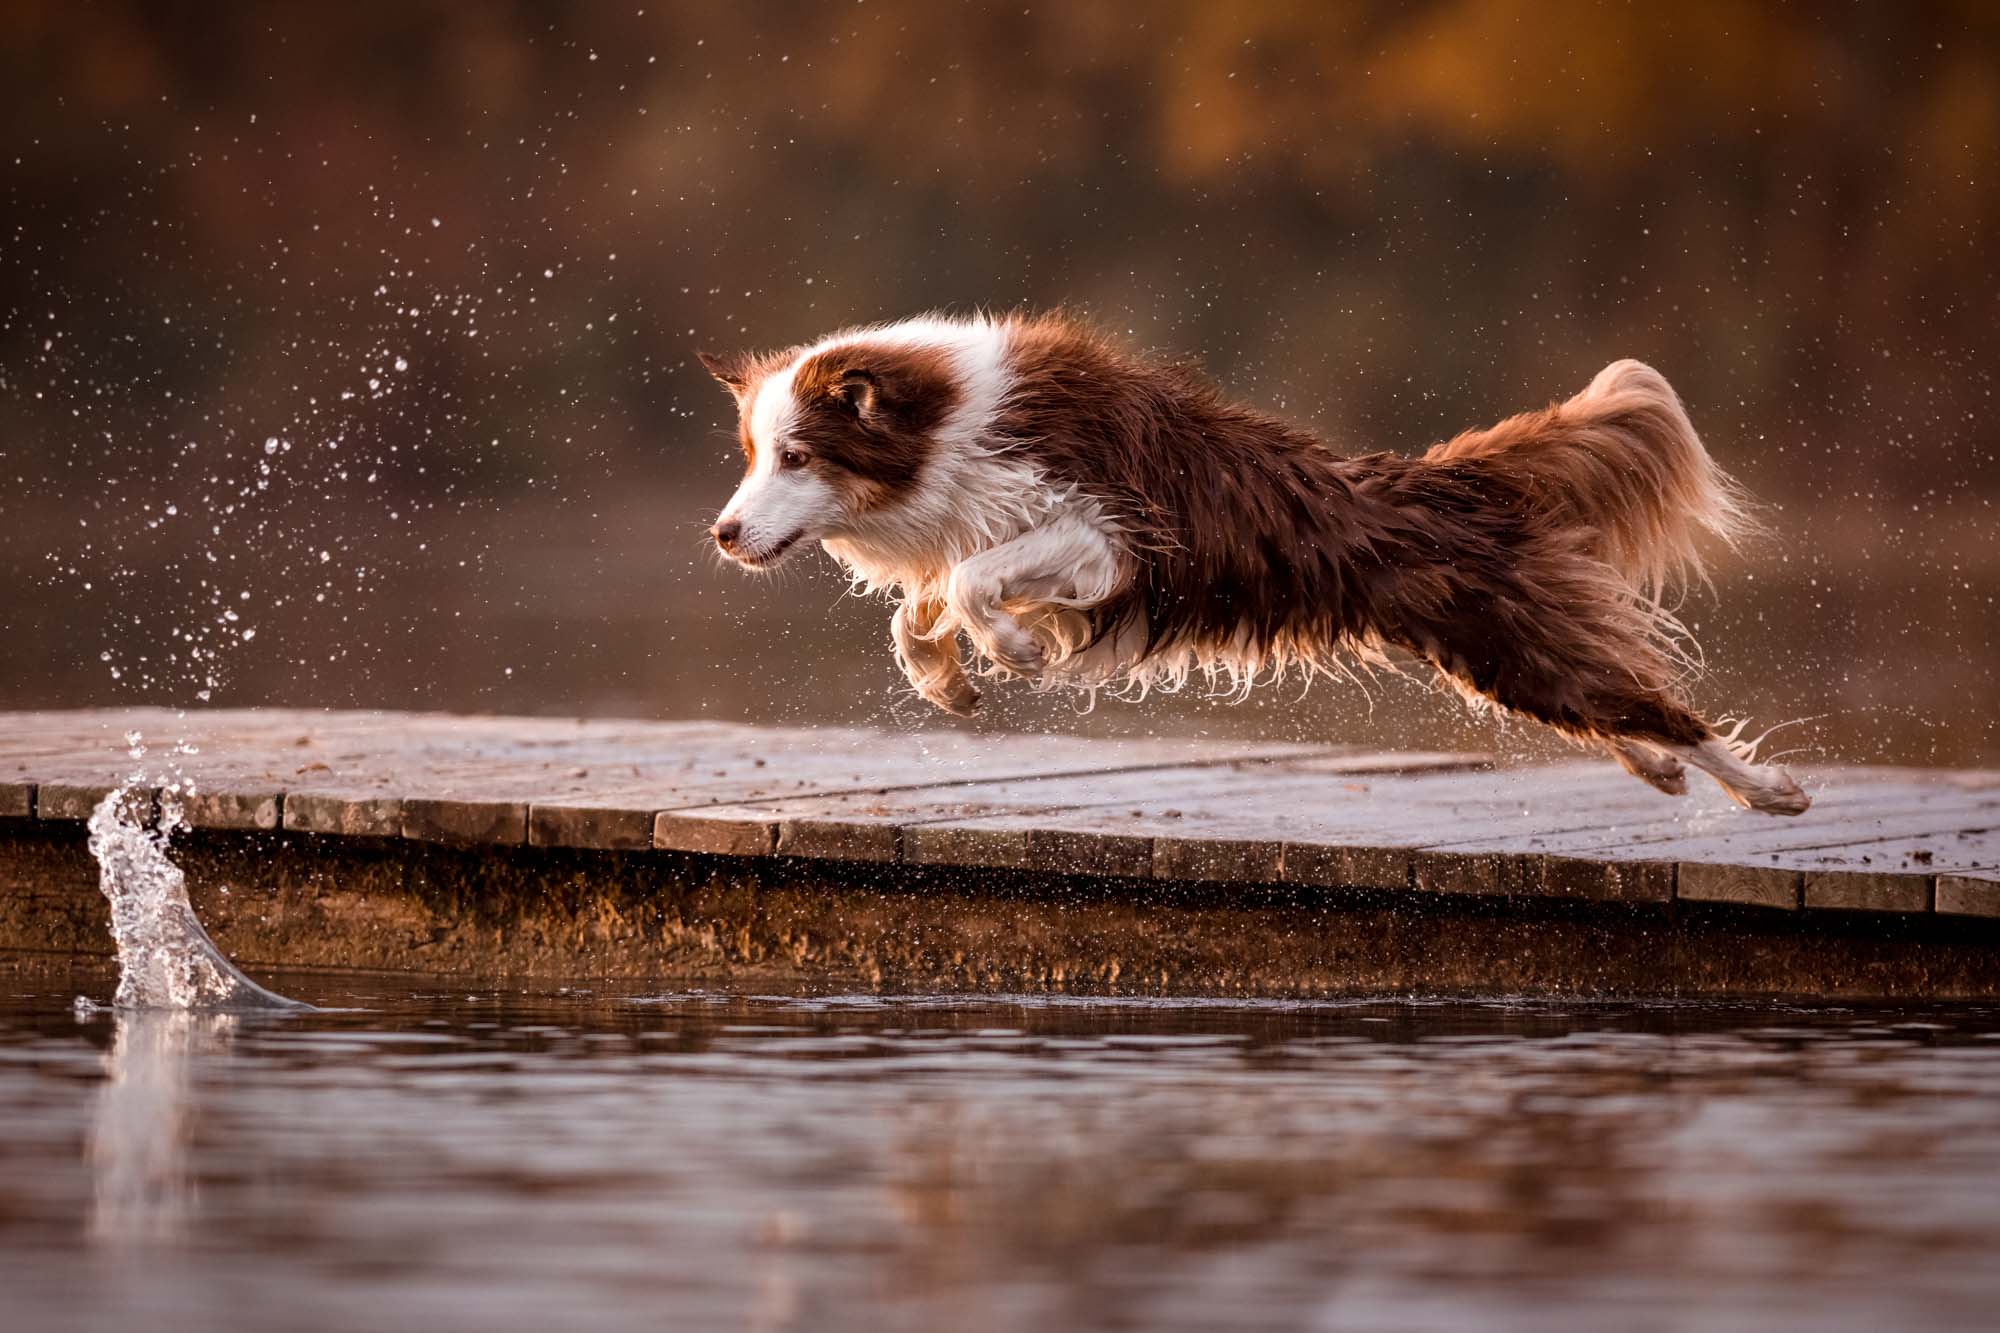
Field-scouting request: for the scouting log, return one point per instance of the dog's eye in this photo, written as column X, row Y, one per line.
column 792, row 458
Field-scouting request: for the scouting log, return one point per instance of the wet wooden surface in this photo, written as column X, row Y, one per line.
column 1877, row 840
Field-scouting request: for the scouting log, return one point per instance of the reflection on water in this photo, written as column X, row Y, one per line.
column 141, row 1126
column 510, row 1160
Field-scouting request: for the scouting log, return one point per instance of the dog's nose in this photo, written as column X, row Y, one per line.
column 726, row 531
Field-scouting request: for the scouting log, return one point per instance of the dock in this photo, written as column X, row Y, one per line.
column 947, row 859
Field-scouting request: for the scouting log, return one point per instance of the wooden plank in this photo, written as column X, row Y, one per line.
column 836, row 840
column 1968, row 895
column 523, row 760
column 1353, row 840
column 1455, row 872
column 715, row 834
column 1601, row 881
column 74, row 801
column 343, row 814
column 1036, row 838
column 500, row 823
column 1705, row 809
column 859, row 818
column 1967, row 849
column 556, row 765
column 1825, row 845
column 1230, row 823
column 1751, row 841
column 1040, row 840
column 1181, row 845
column 609, row 828
column 1345, row 867
column 583, row 784
column 1863, row 817
column 1219, row 860
column 1224, row 830
column 1303, row 861
column 1847, row 875
column 1444, row 814
column 1189, row 835
column 1523, row 863
column 1351, row 761
column 1113, row 855
column 958, row 845
column 663, row 808
column 1180, row 851
column 232, row 810
column 1235, row 813
column 1867, row 891
column 1755, row 886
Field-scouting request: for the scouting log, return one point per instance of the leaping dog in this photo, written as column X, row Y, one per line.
column 1084, row 516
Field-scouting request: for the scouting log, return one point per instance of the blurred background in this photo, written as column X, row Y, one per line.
column 346, row 352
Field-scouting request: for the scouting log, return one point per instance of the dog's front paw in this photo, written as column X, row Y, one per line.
column 1014, row 649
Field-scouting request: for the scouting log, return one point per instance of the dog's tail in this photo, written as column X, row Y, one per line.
column 1621, row 466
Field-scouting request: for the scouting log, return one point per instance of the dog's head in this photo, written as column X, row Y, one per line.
column 834, row 435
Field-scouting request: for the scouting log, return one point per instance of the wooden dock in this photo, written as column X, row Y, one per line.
column 955, row 858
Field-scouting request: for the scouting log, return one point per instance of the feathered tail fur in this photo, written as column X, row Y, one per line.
column 1621, row 464
column 1609, row 497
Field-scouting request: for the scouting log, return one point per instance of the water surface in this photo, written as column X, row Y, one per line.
column 546, row 1158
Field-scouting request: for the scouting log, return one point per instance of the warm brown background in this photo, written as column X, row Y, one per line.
column 1386, row 220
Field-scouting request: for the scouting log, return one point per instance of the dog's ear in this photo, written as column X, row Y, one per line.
column 731, row 368
column 859, row 392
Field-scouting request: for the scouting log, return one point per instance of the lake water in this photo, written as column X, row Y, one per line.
column 558, row 1159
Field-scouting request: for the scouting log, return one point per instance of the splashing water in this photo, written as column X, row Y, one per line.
column 165, row 959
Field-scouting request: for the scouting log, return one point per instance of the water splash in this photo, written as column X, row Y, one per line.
column 165, row 959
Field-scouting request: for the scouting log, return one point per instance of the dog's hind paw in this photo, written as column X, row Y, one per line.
column 1762, row 787
column 1774, row 793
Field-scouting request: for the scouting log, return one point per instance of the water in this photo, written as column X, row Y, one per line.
column 166, row 959
column 513, row 1159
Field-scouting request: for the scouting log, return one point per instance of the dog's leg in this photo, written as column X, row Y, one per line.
column 1650, row 765
column 1550, row 636
column 1763, row 787
column 930, row 659
column 1646, row 726
column 1069, row 562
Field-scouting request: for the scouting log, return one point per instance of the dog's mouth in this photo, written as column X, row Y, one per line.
column 770, row 555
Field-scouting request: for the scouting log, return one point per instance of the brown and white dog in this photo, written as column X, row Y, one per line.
column 1086, row 517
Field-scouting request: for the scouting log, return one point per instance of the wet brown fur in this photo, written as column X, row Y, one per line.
column 1495, row 557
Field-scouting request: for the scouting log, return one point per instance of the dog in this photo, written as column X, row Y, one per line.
column 1085, row 516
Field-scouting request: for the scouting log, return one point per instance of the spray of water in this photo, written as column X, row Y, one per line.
column 165, row 959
